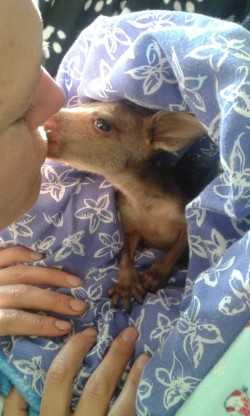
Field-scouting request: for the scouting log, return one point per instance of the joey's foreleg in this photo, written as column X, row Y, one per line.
column 158, row 273
column 129, row 283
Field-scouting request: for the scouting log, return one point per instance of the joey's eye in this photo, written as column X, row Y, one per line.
column 103, row 125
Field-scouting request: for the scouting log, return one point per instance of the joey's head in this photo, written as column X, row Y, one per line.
column 111, row 137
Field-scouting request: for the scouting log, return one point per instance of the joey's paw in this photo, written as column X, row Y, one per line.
column 153, row 280
column 123, row 292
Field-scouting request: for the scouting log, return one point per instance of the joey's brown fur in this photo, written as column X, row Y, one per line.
column 118, row 141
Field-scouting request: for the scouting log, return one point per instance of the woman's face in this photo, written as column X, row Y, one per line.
column 28, row 97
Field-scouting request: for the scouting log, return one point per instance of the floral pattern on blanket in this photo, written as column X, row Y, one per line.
column 160, row 60
column 238, row 403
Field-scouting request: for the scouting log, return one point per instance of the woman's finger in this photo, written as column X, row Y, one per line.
column 15, row 405
column 100, row 387
column 17, row 254
column 125, row 404
column 14, row 322
column 30, row 297
column 62, row 371
column 36, row 275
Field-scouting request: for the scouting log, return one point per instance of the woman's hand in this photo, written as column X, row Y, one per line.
column 100, row 387
column 18, row 294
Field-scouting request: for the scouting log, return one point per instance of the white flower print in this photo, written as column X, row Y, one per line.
column 155, row 73
column 44, row 246
column 6, row 344
column 112, row 37
column 97, row 276
column 216, row 246
column 105, row 89
column 156, row 21
column 241, row 225
column 144, row 391
column 33, row 369
column 105, row 184
column 239, row 301
column 235, row 179
column 214, row 128
column 177, row 386
column 163, row 327
column 71, row 245
column 237, row 93
column 178, row 107
column 96, row 211
column 112, row 245
column 51, row 346
column 195, row 210
column 95, row 292
column 188, row 288
column 218, row 50
column 22, row 227
column 189, row 86
column 55, row 184
column 74, row 63
column 196, row 246
column 196, row 333
column 56, row 219
column 137, row 323
column 163, row 299
column 83, row 181
column 211, row 276
column 100, row 273
column 104, row 336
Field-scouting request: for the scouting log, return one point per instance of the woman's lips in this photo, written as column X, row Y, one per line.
column 43, row 133
column 50, row 128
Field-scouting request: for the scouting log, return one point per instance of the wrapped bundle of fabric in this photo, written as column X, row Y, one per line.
column 175, row 62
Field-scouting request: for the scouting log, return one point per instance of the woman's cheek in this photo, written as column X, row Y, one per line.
column 18, row 197
column 34, row 145
column 40, row 140
column 20, row 171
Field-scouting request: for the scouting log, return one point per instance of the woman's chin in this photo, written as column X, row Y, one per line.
column 33, row 196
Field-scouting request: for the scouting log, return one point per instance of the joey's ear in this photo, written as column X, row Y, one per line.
column 172, row 130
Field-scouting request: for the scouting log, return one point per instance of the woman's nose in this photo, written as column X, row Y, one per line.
column 48, row 98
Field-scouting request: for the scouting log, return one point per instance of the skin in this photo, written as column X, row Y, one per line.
column 27, row 102
column 100, row 387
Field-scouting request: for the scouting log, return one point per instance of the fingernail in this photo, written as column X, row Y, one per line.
column 77, row 305
column 73, row 280
column 63, row 325
column 36, row 256
column 130, row 334
column 142, row 361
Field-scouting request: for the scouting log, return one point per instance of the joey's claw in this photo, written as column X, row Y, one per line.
column 152, row 280
column 114, row 296
column 120, row 296
column 138, row 292
column 127, row 289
